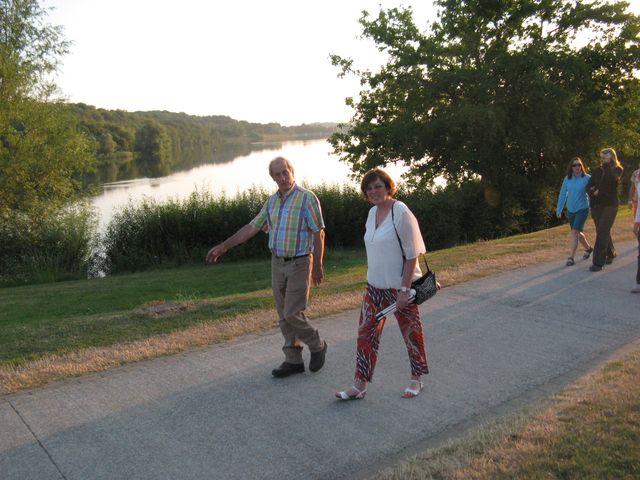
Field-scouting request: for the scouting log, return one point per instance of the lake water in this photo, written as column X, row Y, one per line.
column 312, row 160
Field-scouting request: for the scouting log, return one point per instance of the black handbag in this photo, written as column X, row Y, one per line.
column 425, row 286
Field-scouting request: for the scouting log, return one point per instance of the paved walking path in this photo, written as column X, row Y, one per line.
column 494, row 345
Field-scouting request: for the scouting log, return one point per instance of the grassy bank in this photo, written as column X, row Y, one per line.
column 56, row 330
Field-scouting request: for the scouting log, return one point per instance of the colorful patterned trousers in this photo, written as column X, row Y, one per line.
column 370, row 329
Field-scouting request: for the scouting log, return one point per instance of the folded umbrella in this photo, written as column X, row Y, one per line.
column 393, row 307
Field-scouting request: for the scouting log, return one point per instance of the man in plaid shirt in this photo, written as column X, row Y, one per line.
column 293, row 218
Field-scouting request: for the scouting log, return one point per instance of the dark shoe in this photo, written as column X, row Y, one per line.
column 570, row 262
column 595, row 268
column 287, row 369
column 317, row 359
column 609, row 260
column 587, row 253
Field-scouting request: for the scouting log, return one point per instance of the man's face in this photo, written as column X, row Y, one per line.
column 282, row 176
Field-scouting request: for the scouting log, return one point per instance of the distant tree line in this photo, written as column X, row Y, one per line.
column 132, row 144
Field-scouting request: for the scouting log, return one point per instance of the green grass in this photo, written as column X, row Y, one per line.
column 67, row 316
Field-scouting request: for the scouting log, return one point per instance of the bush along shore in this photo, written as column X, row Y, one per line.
column 154, row 234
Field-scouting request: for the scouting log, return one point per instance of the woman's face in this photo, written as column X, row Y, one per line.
column 605, row 157
column 377, row 192
column 576, row 166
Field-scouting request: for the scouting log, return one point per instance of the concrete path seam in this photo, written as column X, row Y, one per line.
column 44, row 449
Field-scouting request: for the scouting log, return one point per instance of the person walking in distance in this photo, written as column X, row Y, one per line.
column 635, row 185
column 633, row 191
column 294, row 221
column 603, row 192
column 573, row 193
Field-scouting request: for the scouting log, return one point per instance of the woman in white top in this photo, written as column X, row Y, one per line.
column 389, row 278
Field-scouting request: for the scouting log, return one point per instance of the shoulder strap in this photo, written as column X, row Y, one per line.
column 393, row 222
column 404, row 258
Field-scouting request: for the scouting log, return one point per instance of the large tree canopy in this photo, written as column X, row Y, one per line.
column 42, row 153
column 502, row 90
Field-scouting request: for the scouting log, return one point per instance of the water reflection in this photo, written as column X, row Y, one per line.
column 313, row 161
column 121, row 166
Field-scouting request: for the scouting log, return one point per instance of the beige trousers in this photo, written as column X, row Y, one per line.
column 291, row 282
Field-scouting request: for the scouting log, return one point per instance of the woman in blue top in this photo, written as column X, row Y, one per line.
column 573, row 193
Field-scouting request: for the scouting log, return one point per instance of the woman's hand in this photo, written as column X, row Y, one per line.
column 402, row 300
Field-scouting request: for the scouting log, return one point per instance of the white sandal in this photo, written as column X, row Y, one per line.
column 358, row 396
column 411, row 392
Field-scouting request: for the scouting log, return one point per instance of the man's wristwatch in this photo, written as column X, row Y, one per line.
column 404, row 289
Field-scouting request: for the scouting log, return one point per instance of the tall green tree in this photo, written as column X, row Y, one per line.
column 42, row 153
column 504, row 91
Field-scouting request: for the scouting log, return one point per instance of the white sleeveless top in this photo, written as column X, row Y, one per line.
column 384, row 257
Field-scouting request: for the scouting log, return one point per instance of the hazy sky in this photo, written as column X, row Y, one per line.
column 255, row 60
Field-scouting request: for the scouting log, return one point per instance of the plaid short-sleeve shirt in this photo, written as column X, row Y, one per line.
column 292, row 219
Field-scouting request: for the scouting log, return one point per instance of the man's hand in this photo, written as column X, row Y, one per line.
column 215, row 253
column 318, row 272
column 241, row 236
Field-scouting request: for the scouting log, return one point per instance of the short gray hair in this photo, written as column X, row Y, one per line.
column 281, row 159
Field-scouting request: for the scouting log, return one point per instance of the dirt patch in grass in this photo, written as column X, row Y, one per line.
column 159, row 309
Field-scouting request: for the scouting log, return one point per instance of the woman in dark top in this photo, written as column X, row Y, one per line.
column 603, row 190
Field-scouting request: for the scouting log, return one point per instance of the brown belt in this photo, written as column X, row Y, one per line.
column 288, row 259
